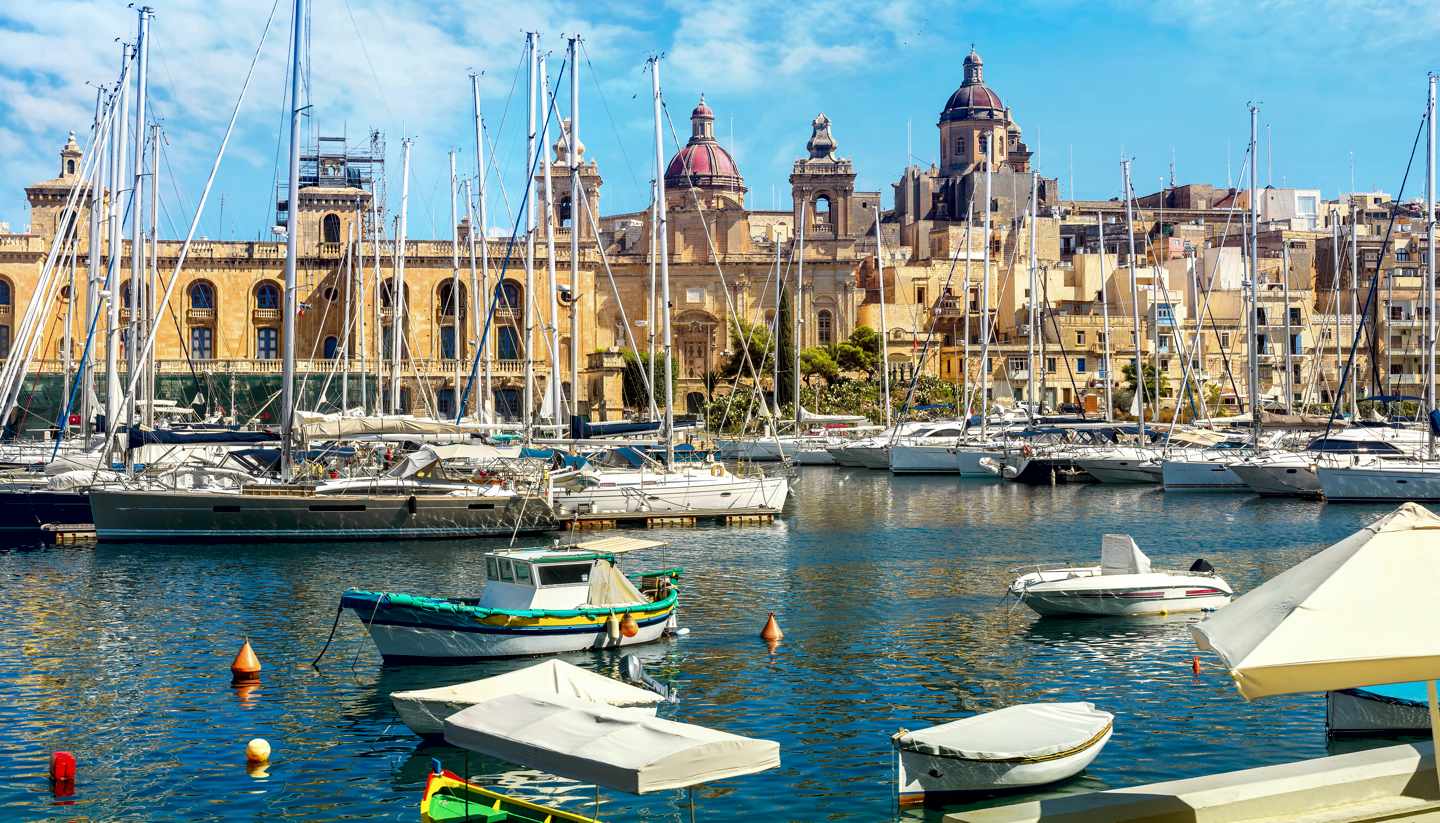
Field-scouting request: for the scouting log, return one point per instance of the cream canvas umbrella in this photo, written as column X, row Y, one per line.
column 1360, row 613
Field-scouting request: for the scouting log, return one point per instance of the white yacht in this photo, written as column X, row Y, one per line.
column 1123, row 585
column 1294, row 473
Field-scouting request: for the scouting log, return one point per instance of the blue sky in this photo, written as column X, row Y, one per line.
column 1087, row 81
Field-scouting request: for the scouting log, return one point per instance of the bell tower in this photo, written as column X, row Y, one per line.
column 822, row 187
column 569, row 212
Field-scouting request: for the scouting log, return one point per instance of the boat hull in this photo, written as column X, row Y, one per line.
column 968, row 461
column 1278, row 480
column 703, row 493
column 1123, row 600
column 923, row 459
column 813, row 457
column 764, row 450
column 26, row 510
column 449, row 798
column 121, row 515
column 1360, row 712
column 1200, row 476
column 1365, row 484
column 1122, row 471
column 925, row 775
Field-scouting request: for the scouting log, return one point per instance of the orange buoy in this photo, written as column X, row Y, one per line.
column 628, row 626
column 246, row 668
column 1195, row 665
column 62, row 774
column 771, row 632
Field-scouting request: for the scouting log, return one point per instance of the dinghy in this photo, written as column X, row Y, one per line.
column 535, row 601
column 1123, row 585
column 425, row 710
column 1399, row 708
column 1027, row 745
column 449, row 798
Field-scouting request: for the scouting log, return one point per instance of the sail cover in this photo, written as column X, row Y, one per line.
column 608, row 587
column 616, row 748
column 1120, row 555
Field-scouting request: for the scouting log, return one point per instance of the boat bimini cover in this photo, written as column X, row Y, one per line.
column 608, row 587
column 553, row 677
column 617, row 748
column 1029, row 731
column 1120, row 555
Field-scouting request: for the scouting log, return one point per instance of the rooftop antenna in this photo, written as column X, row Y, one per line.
column 1172, row 167
column 1229, row 180
column 1269, row 157
column 1072, row 171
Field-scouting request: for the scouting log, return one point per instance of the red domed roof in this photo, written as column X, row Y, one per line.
column 978, row 96
column 973, row 100
column 703, row 162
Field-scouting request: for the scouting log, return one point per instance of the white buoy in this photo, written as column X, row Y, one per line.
column 257, row 750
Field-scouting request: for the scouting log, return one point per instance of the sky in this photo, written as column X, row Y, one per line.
column 1340, row 84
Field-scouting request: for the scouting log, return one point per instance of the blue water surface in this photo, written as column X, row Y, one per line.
column 889, row 590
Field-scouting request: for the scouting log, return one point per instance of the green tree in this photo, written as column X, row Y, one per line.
column 817, row 362
column 785, row 392
column 1155, row 384
column 752, row 339
column 637, row 372
column 860, row 352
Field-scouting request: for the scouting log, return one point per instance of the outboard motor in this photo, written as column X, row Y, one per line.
column 634, row 672
column 1201, row 566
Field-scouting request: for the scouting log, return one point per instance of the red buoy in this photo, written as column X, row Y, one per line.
column 246, row 668
column 62, row 774
column 1195, row 665
column 628, row 626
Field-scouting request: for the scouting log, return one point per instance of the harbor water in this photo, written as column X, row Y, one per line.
column 889, row 590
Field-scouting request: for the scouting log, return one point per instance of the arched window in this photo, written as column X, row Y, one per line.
column 825, row 327
column 4, row 292
column 387, row 293
column 330, row 228
column 960, row 145
column 822, row 209
column 512, row 298
column 445, row 298
column 267, row 296
column 565, row 212
column 985, row 145
column 69, row 166
column 124, row 294
column 508, row 343
column 202, row 296
column 332, row 347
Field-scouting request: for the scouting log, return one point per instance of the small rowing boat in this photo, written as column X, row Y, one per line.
column 1026, row 745
column 450, row 798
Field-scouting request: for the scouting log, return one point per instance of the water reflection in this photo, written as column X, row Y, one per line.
column 889, row 591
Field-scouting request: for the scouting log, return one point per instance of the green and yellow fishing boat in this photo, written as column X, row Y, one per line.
column 450, row 798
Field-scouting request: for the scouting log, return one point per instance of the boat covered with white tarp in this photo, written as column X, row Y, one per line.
column 1026, row 745
column 425, row 710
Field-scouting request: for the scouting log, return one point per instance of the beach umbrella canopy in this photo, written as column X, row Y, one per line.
column 1360, row 613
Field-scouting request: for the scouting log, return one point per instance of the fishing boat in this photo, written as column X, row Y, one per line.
column 1031, row 744
column 1398, row 708
column 535, row 601
column 425, row 710
column 1123, row 585
column 449, row 798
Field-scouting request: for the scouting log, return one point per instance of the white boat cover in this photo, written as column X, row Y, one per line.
column 335, row 427
column 553, row 677
column 1360, row 613
column 1029, row 730
column 608, row 587
column 81, row 479
column 615, row 748
column 617, row 545
column 422, row 459
column 807, row 416
column 1120, row 555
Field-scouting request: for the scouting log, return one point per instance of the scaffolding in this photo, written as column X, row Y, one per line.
column 332, row 162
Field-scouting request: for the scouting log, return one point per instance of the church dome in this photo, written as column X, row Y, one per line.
column 973, row 100
column 703, row 162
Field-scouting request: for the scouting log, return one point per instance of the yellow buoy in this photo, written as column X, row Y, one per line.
column 257, row 750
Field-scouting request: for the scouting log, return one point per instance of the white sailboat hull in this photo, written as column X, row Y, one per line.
column 813, row 457
column 1200, row 475
column 1413, row 482
column 1279, row 479
column 968, row 460
column 1359, row 712
column 757, row 450
column 923, row 459
column 1117, row 471
column 1086, row 593
column 676, row 494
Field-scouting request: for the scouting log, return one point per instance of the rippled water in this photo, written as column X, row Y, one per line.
column 888, row 590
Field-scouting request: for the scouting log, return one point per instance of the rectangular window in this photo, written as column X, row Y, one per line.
column 1262, row 346
column 522, row 573
column 4, row 341
column 920, row 295
column 509, row 343
column 1224, row 339
column 202, row 343
column 492, row 568
column 1402, row 256
column 1164, row 314
column 1259, row 315
column 1017, row 364
column 267, row 344
column 1050, row 365
column 1295, row 344
column 1079, row 338
column 695, row 295
column 447, row 342
column 507, row 571
column 1079, row 365
column 1164, row 343
column 1294, row 316
column 569, row 574
column 1397, row 312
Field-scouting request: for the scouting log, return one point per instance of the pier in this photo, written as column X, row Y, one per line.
column 744, row 516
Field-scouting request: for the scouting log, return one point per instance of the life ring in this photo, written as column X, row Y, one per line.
column 1026, row 450
column 718, row 470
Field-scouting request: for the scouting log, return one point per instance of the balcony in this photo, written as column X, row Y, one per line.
column 6, row 311
column 194, row 315
column 265, row 315
column 946, row 308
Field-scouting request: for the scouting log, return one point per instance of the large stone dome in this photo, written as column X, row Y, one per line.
column 973, row 100
column 703, row 162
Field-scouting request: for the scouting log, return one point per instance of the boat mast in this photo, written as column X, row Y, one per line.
column 650, row 316
column 795, row 310
column 985, row 313
column 113, row 397
column 1335, row 269
column 1253, row 285
column 153, row 270
column 350, row 249
column 1285, row 295
column 1031, row 327
column 92, row 262
column 137, row 223
column 532, row 40
column 1134, row 304
column 292, row 227
column 455, row 327
column 965, row 362
column 482, row 294
column 1430, row 257
column 375, row 231
column 775, row 335
column 477, row 295
column 578, row 206
column 397, row 281
column 663, row 231
column 1354, row 308
column 884, row 332
column 552, row 333
column 1105, row 320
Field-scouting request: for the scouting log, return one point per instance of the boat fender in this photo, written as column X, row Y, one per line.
column 628, row 626
column 612, row 628
column 1026, row 450
column 411, row 504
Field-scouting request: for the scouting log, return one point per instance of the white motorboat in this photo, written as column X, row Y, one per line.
column 1295, row 473
column 1122, row 464
column 1376, row 478
column 535, row 601
column 685, row 487
column 1203, row 470
column 929, row 451
column 425, row 710
column 815, row 454
column 1123, row 585
column 1031, row 744
column 1399, row 708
